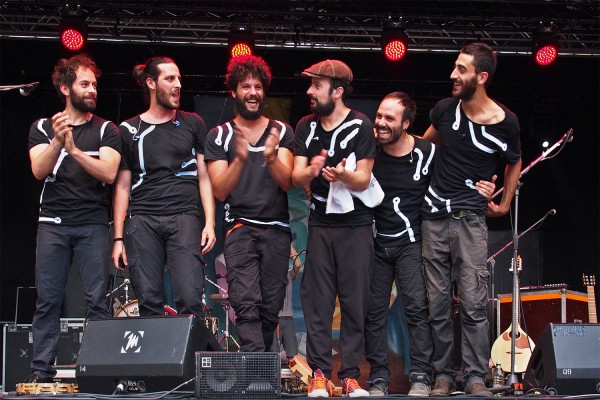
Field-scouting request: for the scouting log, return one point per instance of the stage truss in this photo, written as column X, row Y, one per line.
column 432, row 26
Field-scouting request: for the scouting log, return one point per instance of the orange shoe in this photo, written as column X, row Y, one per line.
column 320, row 386
column 351, row 388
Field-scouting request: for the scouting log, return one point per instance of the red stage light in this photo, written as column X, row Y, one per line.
column 72, row 39
column 240, row 49
column 395, row 50
column 394, row 41
column 544, row 44
column 546, row 55
column 73, row 31
column 241, row 41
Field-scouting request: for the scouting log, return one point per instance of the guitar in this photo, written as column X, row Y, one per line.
column 590, row 281
column 501, row 350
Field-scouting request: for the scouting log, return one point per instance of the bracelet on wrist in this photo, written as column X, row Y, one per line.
column 117, row 240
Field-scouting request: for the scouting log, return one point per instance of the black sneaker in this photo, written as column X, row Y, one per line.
column 420, row 385
column 378, row 387
column 36, row 377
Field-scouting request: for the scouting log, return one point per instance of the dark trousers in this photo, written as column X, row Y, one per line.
column 257, row 265
column 338, row 262
column 151, row 241
column 56, row 246
column 287, row 338
column 402, row 264
column 458, row 247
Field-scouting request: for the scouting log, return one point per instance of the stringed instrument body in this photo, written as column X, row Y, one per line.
column 502, row 349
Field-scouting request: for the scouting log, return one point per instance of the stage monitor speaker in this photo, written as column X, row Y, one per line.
column 242, row 375
column 566, row 359
column 142, row 354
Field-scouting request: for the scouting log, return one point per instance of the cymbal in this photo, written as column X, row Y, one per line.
column 219, row 297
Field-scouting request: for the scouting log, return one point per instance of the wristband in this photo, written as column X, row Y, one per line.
column 117, row 240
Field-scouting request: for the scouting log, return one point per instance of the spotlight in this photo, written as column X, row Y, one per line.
column 241, row 41
column 72, row 29
column 544, row 44
column 394, row 41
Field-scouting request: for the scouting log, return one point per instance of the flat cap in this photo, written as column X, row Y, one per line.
column 329, row 69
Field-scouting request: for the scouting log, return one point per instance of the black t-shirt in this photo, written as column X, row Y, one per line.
column 404, row 181
column 71, row 196
column 353, row 135
column 467, row 153
column 256, row 199
column 163, row 165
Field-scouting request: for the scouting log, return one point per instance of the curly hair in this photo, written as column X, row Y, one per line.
column 149, row 70
column 242, row 66
column 65, row 71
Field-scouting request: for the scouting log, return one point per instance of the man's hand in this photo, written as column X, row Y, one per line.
column 270, row 152
column 61, row 124
column 333, row 174
column 495, row 210
column 119, row 253
column 317, row 163
column 241, row 144
column 486, row 188
column 69, row 143
column 208, row 240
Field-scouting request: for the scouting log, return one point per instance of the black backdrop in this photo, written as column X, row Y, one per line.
column 548, row 101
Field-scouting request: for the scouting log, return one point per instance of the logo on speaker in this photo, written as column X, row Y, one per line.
column 132, row 341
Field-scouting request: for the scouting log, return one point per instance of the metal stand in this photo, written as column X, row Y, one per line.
column 492, row 261
column 226, row 336
column 512, row 378
column 566, row 138
column 223, row 298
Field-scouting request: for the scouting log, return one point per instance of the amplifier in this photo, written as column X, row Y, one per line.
column 242, row 375
column 142, row 354
column 565, row 360
column 18, row 350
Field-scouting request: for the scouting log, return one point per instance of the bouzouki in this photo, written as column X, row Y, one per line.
column 590, row 281
column 501, row 350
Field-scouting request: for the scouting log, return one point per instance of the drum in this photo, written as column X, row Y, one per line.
column 131, row 309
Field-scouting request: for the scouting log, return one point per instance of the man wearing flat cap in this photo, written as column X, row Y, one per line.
column 334, row 153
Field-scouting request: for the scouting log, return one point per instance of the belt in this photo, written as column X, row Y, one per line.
column 462, row 214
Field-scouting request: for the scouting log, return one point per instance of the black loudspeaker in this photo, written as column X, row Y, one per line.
column 142, row 354
column 238, row 375
column 566, row 359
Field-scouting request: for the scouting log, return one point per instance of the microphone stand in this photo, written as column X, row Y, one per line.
column 567, row 137
column 512, row 378
column 492, row 261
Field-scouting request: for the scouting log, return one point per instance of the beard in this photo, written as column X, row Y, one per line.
column 395, row 135
column 467, row 90
column 83, row 104
column 245, row 113
column 163, row 99
column 322, row 109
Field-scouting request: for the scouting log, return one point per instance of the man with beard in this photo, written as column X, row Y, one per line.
column 160, row 185
column 77, row 154
column 335, row 147
column 250, row 165
column 402, row 167
column 472, row 132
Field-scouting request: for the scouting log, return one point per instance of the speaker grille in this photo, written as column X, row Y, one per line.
column 238, row 375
